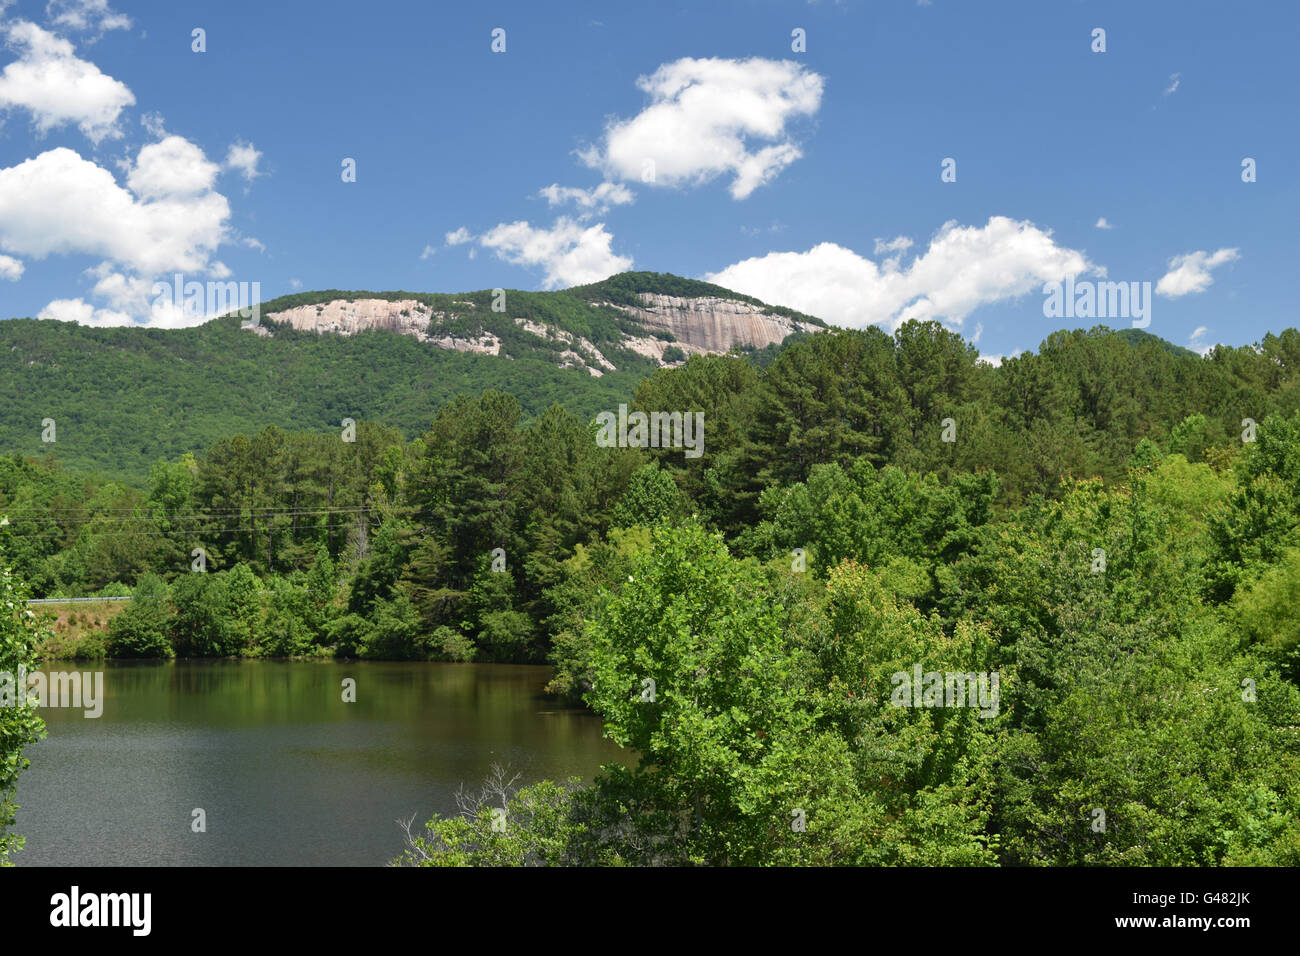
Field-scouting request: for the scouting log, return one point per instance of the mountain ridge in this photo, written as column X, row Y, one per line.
column 124, row 397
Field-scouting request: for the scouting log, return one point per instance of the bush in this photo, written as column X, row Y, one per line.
column 348, row 634
column 20, row 633
column 141, row 630
column 452, row 644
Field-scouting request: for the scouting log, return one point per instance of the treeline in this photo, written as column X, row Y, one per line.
column 490, row 534
column 123, row 398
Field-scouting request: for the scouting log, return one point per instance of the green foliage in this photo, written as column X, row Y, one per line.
column 142, row 627
column 20, row 633
column 1098, row 536
column 1268, row 612
column 124, row 398
column 651, row 497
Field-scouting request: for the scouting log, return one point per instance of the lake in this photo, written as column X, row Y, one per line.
column 286, row 771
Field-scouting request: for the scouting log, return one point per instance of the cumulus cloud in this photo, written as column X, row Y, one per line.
column 459, row 237
column 1174, row 80
column 243, row 157
column 590, row 202
column 1191, row 272
column 56, row 87
column 11, row 268
column 1103, row 224
column 167, row 219
column 83, row 313
column 569, row 252
column 174, row 167
column 711, row 117
column 429, row 252
column 86, row 15
column 963, row 268
column 60, row 203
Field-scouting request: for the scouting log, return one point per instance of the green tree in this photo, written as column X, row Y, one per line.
column 20, row 634
column 141, row 629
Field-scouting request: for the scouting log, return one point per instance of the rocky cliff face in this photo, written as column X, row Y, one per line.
column 405, row 317
column 712, row 324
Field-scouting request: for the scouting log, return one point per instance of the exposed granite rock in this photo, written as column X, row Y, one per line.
column 699, row 325
column 405, row 317
column 711, row 324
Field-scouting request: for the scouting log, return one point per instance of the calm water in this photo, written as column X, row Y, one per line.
column 287, row 773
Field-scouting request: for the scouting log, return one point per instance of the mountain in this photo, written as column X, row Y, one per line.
column 121, row 398
column 618, row 324
column 1138, row 336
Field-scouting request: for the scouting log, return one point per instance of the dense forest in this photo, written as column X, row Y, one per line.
column 1110, row 525
column 122, row 398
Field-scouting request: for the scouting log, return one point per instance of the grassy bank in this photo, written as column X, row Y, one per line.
column 77, row 629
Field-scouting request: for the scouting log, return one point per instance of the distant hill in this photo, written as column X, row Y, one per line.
column 1138, row 336
column 121, row 398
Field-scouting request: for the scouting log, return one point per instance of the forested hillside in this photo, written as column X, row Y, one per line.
column 122, row 398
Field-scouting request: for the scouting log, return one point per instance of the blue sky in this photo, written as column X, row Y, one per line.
column 811, row 179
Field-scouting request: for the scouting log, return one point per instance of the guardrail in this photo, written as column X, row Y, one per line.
column 75, row 600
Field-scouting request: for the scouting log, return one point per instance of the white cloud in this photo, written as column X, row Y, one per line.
column 11, row 268
column 996, row 360
column 1197, row 341
column 898, row 244
column 83, row 313
column 590, row 202
column 154, row 124
column 705, row 119
column 255, row 244
column 963, row 268
column 459, row 237
column 243, row 157
column 429, row 252
column 174, row 167
column 1103, row 224
column 1191, row 272
column 979, row 333
column 57, row 88
column 86, row 15
column 168, row 219
column 59, row 203
column 571, row 254
column 295, row 283
column 1174, row 80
